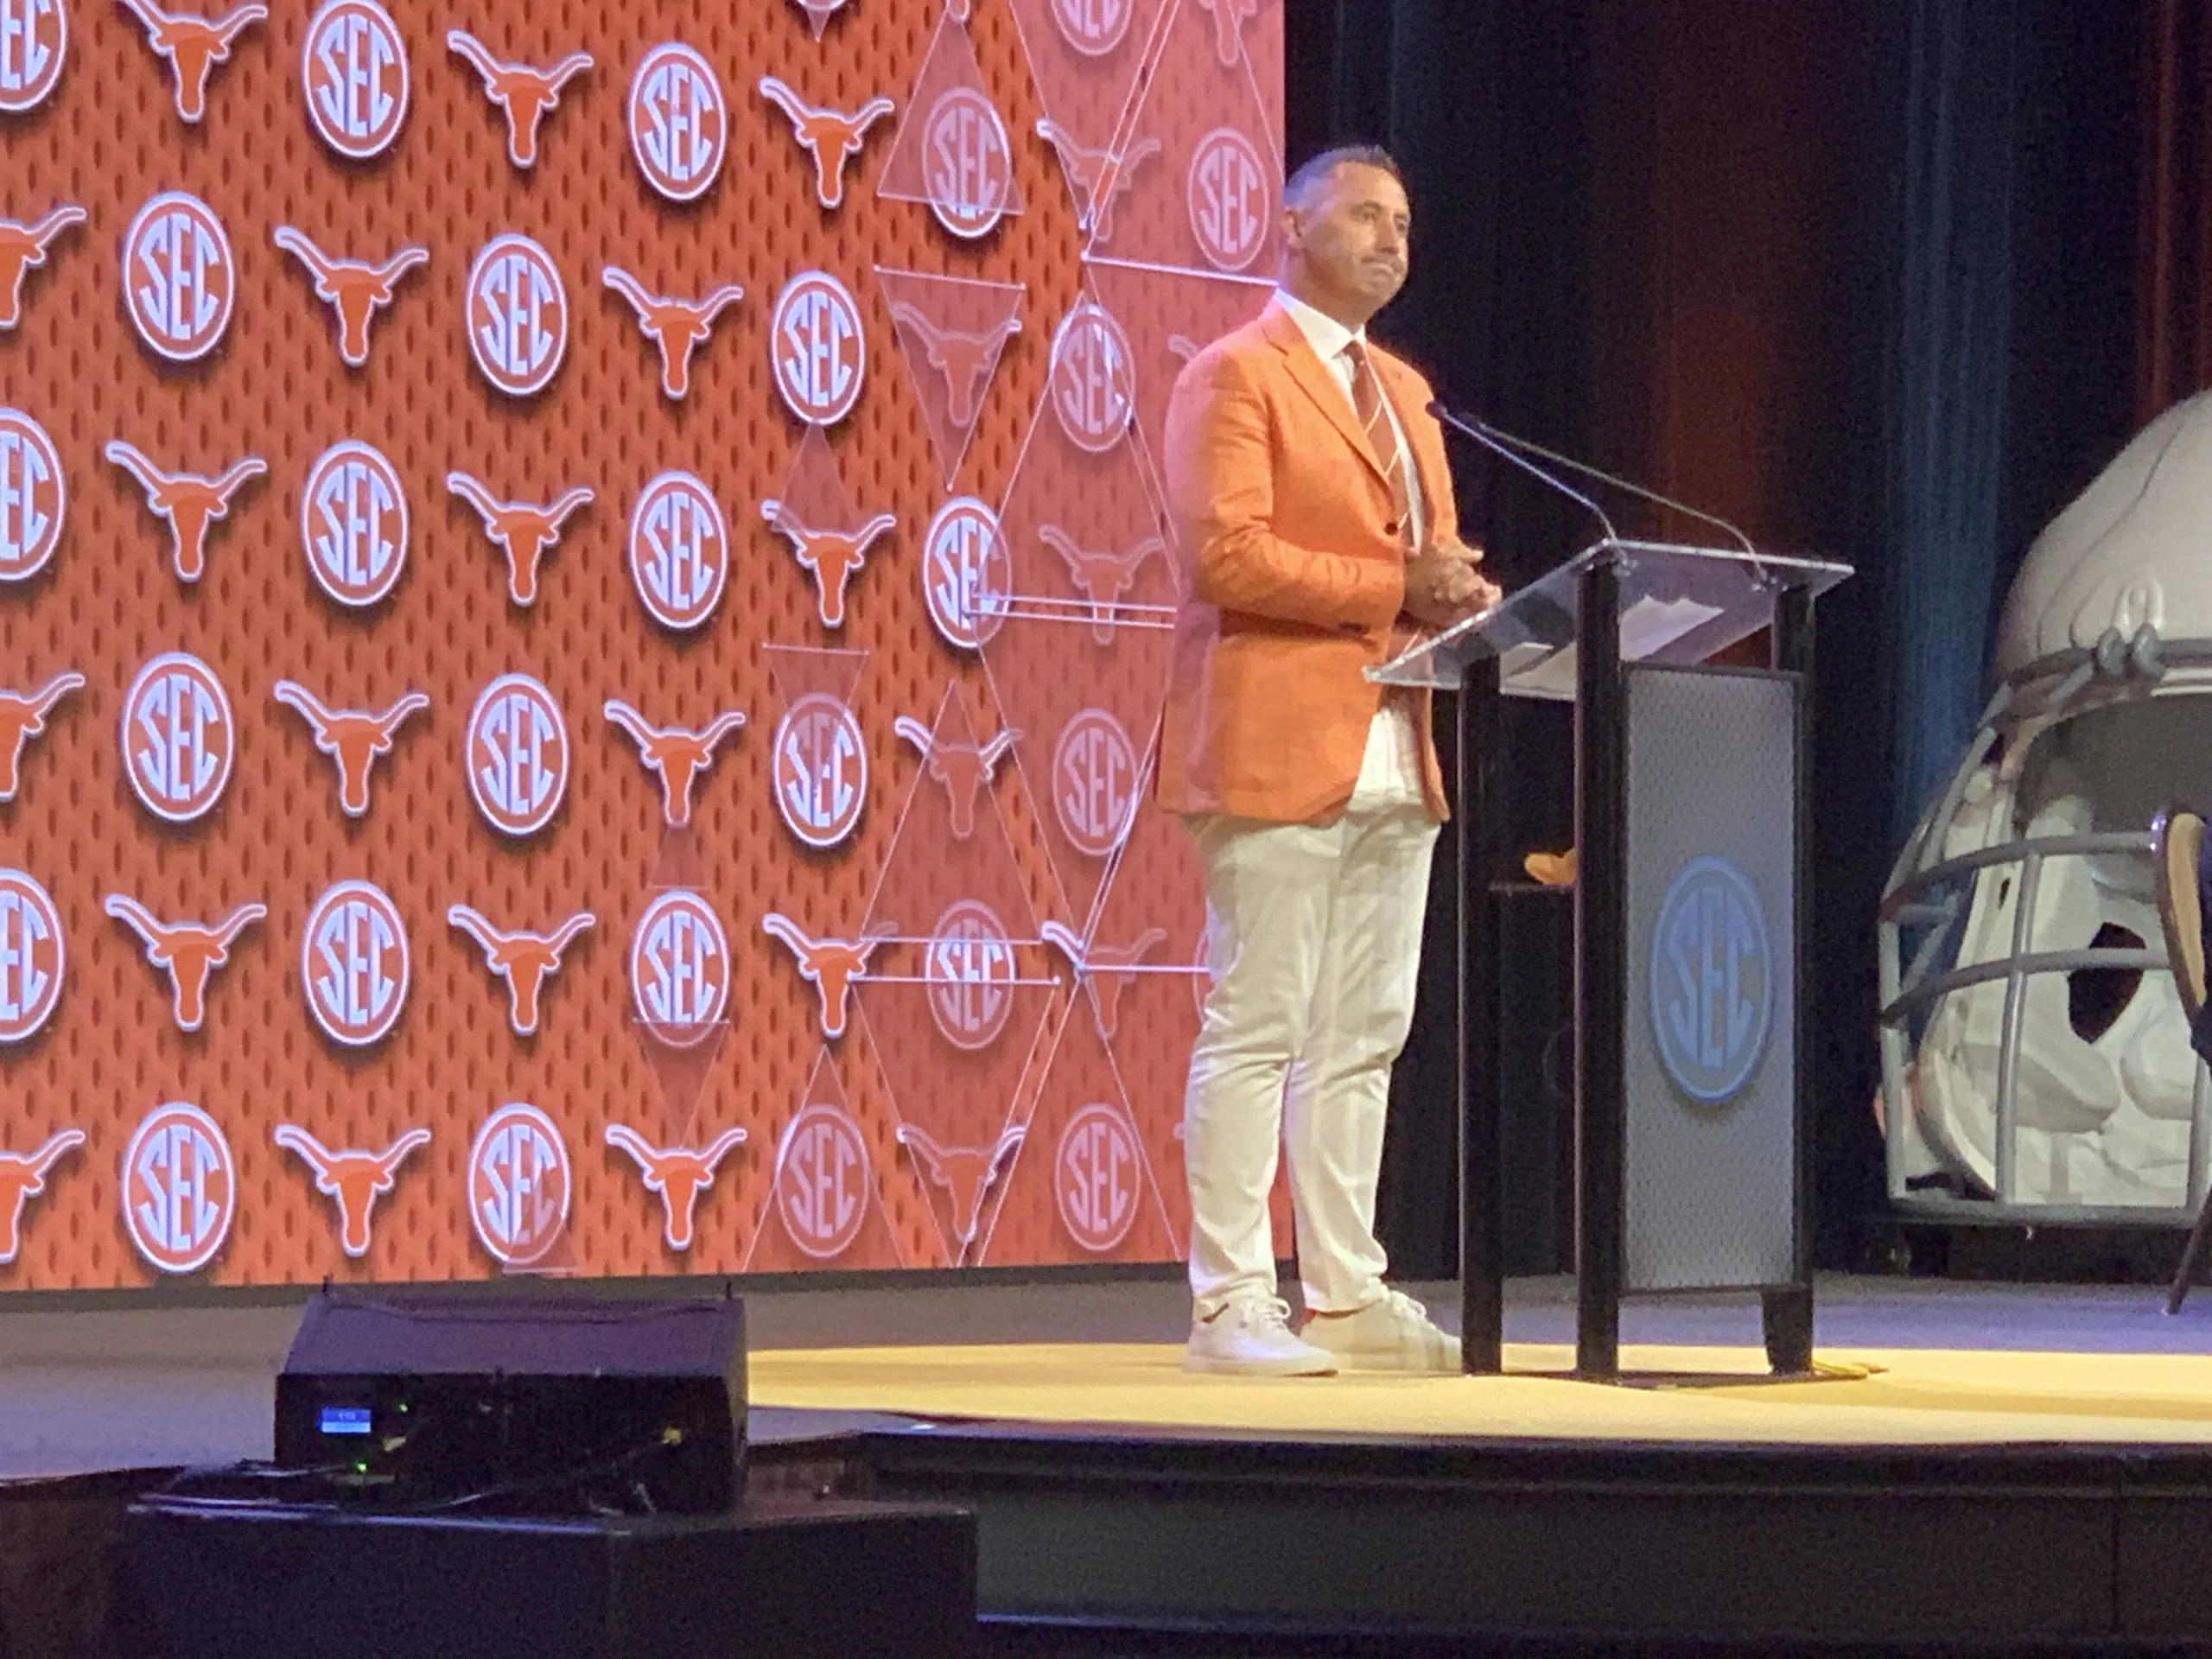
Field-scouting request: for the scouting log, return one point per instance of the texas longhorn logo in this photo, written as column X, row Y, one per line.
column 521, row 529
column 964, row 360
column 32, row 956
column 353, row 737
column 1097, row 1179
column 520, row 1183
column 676, row 753
column 354, row 290
column 832, row 966
column 679, row 1174
column 680, row 970
column 34, row 496
column 1230, row 17
column 23, row 716
column 679, row 124
column 194, row 46
column 816, row 348
column 189, row 502
column 180, row 1188
column 33, row 40
column 1100, row 176
column 964, row 769
column 831, row 137
column 823, row 1180
column 22, row 1176
column 355, row 963
column 516, row 754
column 679, row 550
column 180, row 278
column 1230, row 197
column 1094, row 782
column 1093, row 27
column 525, row 960
column 831, row 557
column 354, row 71
column 967, row 162
column 1104, row 971
column 23, row 247
column 965, row 1172
column 516, row 315
column 674, row 325
column 820, row 758
column 353, row 1176
column 178, row 738
column 526, row 94
column 1092, row 378
column 965, row 573
column 1103, row 574
column 970, row 970
column 189, row 952
column 354, row 523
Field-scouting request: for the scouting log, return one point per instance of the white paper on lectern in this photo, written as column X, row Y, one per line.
column 1647, row 627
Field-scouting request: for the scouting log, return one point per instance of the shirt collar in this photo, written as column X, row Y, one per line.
column 1324, row 333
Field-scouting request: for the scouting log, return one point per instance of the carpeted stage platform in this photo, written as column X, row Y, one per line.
column 2014, row 1466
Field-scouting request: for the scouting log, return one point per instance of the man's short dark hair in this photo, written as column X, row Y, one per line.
column 1313, row 172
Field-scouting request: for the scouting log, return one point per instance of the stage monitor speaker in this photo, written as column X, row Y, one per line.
column 462, row 1403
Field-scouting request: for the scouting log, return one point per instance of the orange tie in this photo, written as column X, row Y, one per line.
column 1374, row 415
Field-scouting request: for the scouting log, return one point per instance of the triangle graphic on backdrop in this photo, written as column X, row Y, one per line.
column 952, row 332
column 1087, row 61
column 815, row 517
column 821, row 1204
column 953, row 151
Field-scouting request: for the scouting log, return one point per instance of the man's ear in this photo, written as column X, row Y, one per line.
column 1293, row 224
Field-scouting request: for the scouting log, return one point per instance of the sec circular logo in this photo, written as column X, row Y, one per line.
column 967, row 162
column 1093, row 27
column 821, row 769
column 519, row 1181
column 970, row 970
column 32, row 956
column 1093, row 378
column 1711, row 979
column 354, row 523
column 33, row 40
column 517, row 314
column 179, row 277
column 821, row 1180
column 353, row 69
column 966, row 573
column 679, row 124
column 680, row 967
column 354, row 963
column 1094, row 782
column 180, row 1188
column 679, row 550
column 819, row 354
column 178, row 738
column 34, row 495
column 516, row 754
column 1229, row 199
column 1095, row 1179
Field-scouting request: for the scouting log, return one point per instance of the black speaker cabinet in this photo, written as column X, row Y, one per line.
column 420, row 1403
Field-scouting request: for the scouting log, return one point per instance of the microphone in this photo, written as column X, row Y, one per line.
column 1496, row 438
column 1482, row 433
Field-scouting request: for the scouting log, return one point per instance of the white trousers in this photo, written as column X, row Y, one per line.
column 1313, row 937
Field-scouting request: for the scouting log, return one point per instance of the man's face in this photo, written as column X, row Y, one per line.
column 1351, row 235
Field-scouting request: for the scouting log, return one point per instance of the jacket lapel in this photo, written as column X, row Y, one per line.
column 1414, row 420
column 1319, row 384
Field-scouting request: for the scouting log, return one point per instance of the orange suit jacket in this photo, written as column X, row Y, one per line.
column 1294, row 576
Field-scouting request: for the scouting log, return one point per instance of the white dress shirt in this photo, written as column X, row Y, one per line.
column 1389, row 770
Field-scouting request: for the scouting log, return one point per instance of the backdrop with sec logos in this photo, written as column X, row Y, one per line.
column 582, row 599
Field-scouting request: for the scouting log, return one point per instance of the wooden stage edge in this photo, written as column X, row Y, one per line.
column 2019, row 1469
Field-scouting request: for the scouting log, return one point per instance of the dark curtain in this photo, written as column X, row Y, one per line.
column 1855, row 273
column 2173, row 312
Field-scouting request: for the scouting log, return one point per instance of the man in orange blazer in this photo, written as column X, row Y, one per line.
column 1314, row 505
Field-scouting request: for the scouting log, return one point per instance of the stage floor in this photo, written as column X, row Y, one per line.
column 96, row 1386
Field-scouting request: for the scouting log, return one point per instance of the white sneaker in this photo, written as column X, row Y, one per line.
column 1392, row 1334
column 1251, row 1337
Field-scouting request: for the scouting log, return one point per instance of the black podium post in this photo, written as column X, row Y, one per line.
column 1482, row 1116
column 1600, row 973
column 1786, row 1312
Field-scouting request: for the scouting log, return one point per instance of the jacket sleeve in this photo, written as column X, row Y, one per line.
column 1221, row 487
